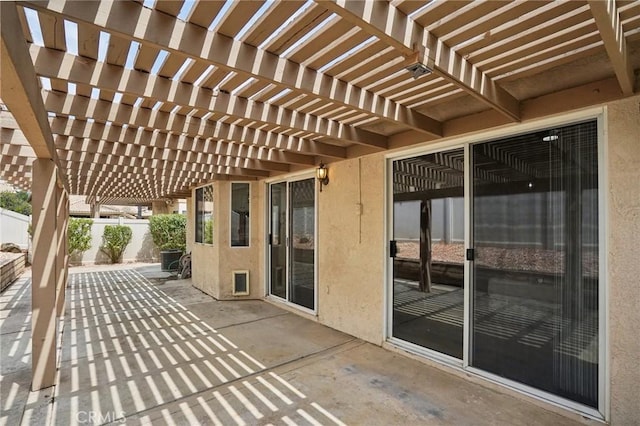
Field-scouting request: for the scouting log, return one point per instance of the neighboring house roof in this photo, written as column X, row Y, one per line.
column 78, row 207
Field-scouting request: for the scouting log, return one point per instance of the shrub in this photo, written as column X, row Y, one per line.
column 114, row 240
column 79, row 235
column 16, row 202
column 169, row 231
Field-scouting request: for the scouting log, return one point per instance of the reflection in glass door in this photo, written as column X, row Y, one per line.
column 428, row 268
column 302, row 231
column 292, row 242
column 278, row 239
column 535, row 226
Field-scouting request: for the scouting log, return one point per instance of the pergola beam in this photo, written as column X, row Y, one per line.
column 391, row 25
column 609, row 25
column 60, row 65
column 158, row 141
column 104, row 153
column 132, row 21
column 83, row 107
column 19, row 87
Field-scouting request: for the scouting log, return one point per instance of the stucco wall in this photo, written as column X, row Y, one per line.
column 213, row 265
column 190, row 223
column 623, row 218
column 205, row 259
column 351, row 248
column 351, row 251
column 240, row 258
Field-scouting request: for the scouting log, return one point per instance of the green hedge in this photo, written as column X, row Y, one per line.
column 169, row 231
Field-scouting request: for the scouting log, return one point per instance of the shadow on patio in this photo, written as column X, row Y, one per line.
column 150, row 351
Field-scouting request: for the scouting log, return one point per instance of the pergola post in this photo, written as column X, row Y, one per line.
column 44, row 275
column 95, row 210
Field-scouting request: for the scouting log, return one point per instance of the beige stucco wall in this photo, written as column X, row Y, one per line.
column 205, row 259
column 240, row 258
column 352, row 251
column 351, row 248
column 213, row 264
column 623, row 220
column 190, row 224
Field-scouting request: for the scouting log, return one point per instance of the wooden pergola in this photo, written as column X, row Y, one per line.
column 143, row 101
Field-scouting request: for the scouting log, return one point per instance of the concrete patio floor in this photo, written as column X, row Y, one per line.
column 142, row 350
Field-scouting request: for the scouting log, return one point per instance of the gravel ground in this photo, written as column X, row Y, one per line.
column 513, row 259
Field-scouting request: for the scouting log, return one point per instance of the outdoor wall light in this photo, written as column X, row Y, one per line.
column 322, row 174
column 418, row 69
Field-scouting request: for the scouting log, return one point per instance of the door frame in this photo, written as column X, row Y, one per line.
column 267, row 252
column 464, row 365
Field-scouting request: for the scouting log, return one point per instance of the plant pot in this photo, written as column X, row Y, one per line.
column 170, row 260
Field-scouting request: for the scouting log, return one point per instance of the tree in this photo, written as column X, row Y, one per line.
column 114, row 241
column 16, row 202
column 79, row 235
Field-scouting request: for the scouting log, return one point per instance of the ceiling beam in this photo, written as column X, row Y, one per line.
column 391, row 25
column 133, row 21
column 609, row 24
column 60, row 65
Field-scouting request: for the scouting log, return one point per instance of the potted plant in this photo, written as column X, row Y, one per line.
column 168, row 232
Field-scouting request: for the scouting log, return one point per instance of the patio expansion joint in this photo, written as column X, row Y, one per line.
column 253, row 321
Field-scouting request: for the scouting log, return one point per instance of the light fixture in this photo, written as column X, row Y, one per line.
column 322, row 174
column 552, row 136
column 418, row 69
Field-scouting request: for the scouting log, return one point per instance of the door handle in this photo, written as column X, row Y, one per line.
column 393, row 248
column 471, row 254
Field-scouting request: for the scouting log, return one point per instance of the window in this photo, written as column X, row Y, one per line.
column 204, row 215
column 240, row 215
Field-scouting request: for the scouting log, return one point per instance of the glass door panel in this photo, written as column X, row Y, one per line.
column 428, row 268
column 302, row 249
column 535, row 233
column 278, row 239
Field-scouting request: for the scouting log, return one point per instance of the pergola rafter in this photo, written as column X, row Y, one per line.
column 306, row 82
column 83, row 107
column 92, row 132
column 104, row 152
column 133, row 21
column 383, row 20
column 59, row 65
column 609, row 24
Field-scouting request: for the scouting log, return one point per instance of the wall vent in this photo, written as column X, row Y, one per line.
column 240, row 283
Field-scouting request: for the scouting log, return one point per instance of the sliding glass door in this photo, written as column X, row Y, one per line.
column 428, row 267
column 535, row 229
column 292, row 242
column 527, row 232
